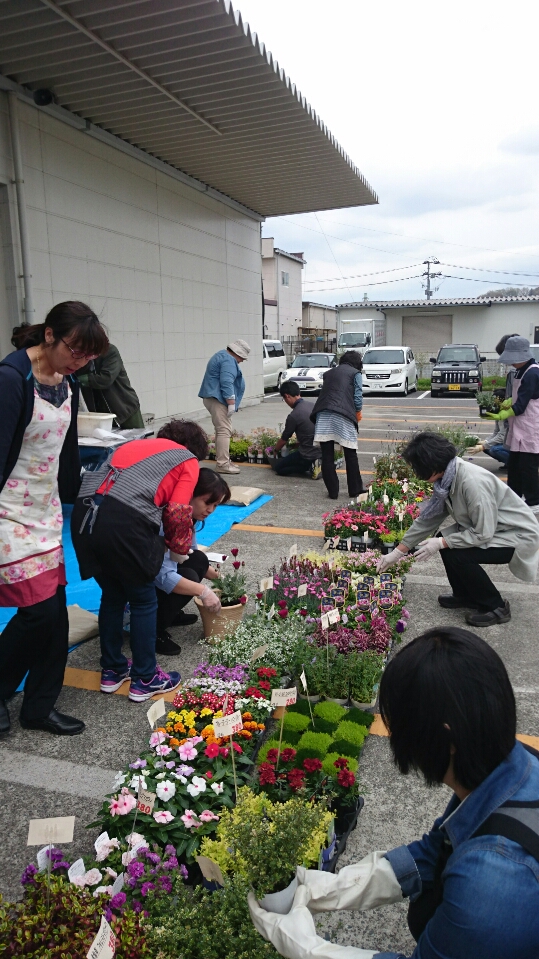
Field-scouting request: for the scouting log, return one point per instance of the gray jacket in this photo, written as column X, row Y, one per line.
column 486, row 513
column 498, row 436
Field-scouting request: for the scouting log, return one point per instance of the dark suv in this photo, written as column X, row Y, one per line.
column 457, row 368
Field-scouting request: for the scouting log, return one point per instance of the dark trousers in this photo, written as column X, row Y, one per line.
column 169, row 605
column 142, row 626
column 329, row 473
column 35, row 641
column 499, row 452
column 293, row 463
column 468, row 580
column 523, row 476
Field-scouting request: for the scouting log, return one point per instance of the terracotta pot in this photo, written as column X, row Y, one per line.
column 217, row 625
column 280, row 902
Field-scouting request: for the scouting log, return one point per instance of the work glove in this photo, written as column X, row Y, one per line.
column 429, row 548
column 231, row 409
column 472, row 450
column 389, row 560
column 210, row 600
column 294, row 935
column 364, row 885
column 506, row 404
column 502, row 415
column 359, row 416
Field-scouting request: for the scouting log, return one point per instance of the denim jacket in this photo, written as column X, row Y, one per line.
column 223, row 379
column 490, row 907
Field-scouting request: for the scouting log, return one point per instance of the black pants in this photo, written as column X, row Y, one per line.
column 468, row 580
column 169, row 605
column 293, row 463
column 35, row 641
column 523, row 476
column 329, row 473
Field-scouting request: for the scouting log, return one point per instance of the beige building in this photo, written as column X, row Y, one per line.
column 317, row 317
column 281, row 281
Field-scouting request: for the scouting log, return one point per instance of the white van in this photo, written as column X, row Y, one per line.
column 274, row 363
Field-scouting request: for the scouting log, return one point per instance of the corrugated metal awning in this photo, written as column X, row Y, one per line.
column 432, row 304
column 187, row 82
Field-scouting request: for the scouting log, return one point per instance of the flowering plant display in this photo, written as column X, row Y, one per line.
column 281, row 637
column 231, row 586
column 349, row 521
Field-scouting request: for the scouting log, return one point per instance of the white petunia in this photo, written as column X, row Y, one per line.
column 134, row 784
column 165, row 790
column 160, row 775
column 217, row 788
column 119, row 780
column 196, row 786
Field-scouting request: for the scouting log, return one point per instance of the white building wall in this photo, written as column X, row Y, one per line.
column 289, row 297
column 172, row 273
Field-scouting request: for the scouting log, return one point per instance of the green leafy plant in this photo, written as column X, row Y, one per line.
column 331, row 712
column 295, row 722
column 350, row 733
column 360, row 717
column 313, row 746
column 488, row 401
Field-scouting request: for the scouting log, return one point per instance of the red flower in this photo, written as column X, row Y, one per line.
column 296, row 779
column 211, row 751
column 236, row 565
column 235, row 551
column 272, row 755
column 312, row 765
column 341, row 763
column 259, row 595
column 266, row 774
column 253, row 691
column 237, row 748
column 243, row 600
column 266, row 672
column 264, row 684
column 209, row 775
column 288, row 755
column 282, row 603
column 346, row 778
column 283, row 613
column 303, row 612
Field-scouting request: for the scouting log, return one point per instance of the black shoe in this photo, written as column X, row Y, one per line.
column 5, row 722
column 456, row 602
column 184, row 619
column 165, row 645
column 490, row 618
column 55, row 722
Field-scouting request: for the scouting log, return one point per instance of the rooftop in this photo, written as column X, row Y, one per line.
column 433, row 304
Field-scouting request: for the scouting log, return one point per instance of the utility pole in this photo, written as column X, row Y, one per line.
column 430, row 276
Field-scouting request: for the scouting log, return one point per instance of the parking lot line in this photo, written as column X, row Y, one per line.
column 423, row 395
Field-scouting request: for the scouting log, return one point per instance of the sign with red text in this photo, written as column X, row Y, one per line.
column 227, row 725
column 104, row 944
column 145, row 801
column 284, row 697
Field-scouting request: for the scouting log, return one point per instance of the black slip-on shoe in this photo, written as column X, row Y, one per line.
column 490, row 618
column 165, row 645
column 184, row 619
column 5, row 722
column 55, row 722
column 449, row 601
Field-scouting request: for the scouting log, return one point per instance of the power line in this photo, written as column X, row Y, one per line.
column 472, row 279
column 353, row 276
column 399, row 279
column 331, row 251
column 483, row 269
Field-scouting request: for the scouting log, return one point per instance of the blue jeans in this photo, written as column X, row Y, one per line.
column 499, row 452
column 293, row 463
column 143, row 626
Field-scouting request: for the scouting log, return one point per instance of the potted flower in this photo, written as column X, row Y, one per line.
column 230, row 587
column 488, row 402
column 346, row 803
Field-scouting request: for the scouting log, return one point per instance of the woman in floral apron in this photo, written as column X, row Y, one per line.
column 40, row 469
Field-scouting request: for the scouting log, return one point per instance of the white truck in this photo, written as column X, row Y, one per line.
column 358, row 334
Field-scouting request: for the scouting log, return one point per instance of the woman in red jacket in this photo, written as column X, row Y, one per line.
column 115, row 526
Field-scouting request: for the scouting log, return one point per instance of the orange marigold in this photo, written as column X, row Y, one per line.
column 260, row 726
column 245, row 734
column 192, row 732
column 174, row 741
column 246, row 715
column 179, row 727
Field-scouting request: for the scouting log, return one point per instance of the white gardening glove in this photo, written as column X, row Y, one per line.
column 294, row 935
column 231, row 408
column 389, row 560
column 364, row 885
column 472, row 450
column 429, row 548
column 210, row 600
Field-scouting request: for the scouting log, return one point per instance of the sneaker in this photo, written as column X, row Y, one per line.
column 227, row 469
column 449, row 601
column 111, row 680
column 316, row 470
column 161, row 683
column 165, row 645
column 490, row 618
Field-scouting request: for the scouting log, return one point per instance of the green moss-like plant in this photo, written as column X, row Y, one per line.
column 295, row 722
column 313, row 746
column 351, row 733
column 331, row 712
column 301, row 706
column 328, row 763
column 322, row 726
column 360, row 717
column 345, row 748
column 271, row 744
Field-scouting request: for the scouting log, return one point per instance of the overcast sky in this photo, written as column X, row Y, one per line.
column 437, row 105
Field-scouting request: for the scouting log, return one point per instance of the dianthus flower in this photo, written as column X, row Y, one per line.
column 312, row 765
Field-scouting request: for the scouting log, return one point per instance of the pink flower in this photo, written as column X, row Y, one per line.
column 163, row 750
column 189, row 819
column 92, row 877
column 163, row 816
column 114, row 807
column 12, row 483
column 206, row 816
column 187, row 751
column 157, row 738
column 79, row 881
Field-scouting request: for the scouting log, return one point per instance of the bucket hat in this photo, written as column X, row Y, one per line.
column 240, row 348
column 517, row 350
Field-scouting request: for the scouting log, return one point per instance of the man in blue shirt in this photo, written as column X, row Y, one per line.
column 222, row 391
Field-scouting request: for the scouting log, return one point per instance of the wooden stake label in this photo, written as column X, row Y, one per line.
column 324, row 620
column 155, row 711
column 284, row 697
column 210, row 870
column 333, row 616
column 266, row 583
column 302, row 590
column 258, row 653
column 57, row 830
column 227, row 725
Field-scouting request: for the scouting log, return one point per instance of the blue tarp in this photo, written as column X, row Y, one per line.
column 224, row 518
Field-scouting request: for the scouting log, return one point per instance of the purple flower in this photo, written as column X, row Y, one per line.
column 183, row 871
column 405, row 613
column 108, row 914
column 27, row 877
column 137, row 906
column 138, row 764
column 146, row 888
column 171, row 863
column 184, row 770
column 118, row 900
column 169, row 850
column 131, row 882
column 400, row 626
column 60, row 865
column 166, row 883
column 153, row 857
column 170, row 765
column 135, row 868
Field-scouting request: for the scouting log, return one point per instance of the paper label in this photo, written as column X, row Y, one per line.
column 43, row 858
column 326, row 545
column 155, row 711
column 374, row 609
column 145, row 801
column 77, row 869
column 386, row 598
column 216, row 557
column 57, row 830
column 266, row 583
column 258, row 653
column 324, row 621
column 302, row 590
column 331, row 563
column 104, row 837
column 271, row 611
column 293, row 551
column 104, row 944
column 335, row 541
column 349, row 544
column 334, row 616
column 118, row 883
column 363, row 598
column 303, row 679
column 210, row 870
column 228, row 725
column 345, row 574
column 284, row 697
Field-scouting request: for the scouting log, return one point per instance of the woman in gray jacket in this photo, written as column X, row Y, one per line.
column 492, row 525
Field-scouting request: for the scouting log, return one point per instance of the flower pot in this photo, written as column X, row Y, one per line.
column 327, row 856
column 343, row 544
column 346, row 815
column 366, row 706
column 280, row 902
column 388, row 547
column 356, row 543
column 217, row 625
column 340, row 702
column 311, row 699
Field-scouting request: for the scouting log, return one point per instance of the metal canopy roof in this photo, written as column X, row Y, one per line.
column 429, row 304
column 187, row 82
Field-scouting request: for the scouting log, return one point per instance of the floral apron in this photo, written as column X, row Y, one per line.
column 31, row 553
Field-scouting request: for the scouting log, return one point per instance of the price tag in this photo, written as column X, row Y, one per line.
column 104, row 837
column 155, row 711
column 43, row 858
column 104, row 944
column 401, row 516
column 284, row 697
column 324, row 620
column 349, row 544
column 385, row 499
column 145, row 801
column 271, row 612
column 335, row 541
column 57, row 830
column 326, row 545
column 210, row 870
column 77, row 869
column 302, row 590
column 266, row 583
column 293, row 551
column 258, row 653
column 216, row 557
column 228, row 725
column 331, row 562
column 303, row 679
column 374, row 609
column 118, row 883
column 334, row 616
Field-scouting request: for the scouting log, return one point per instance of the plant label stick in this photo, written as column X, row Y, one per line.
column 271, row 612
column 349, row 544
column 284, row 697
column 331, row 562
column 326, row 545
column 77, row 869
column 333, row 616
column 118, row 883
column 104, row 837
column 258, row 653
column 104, row 944
column 155, row 711
column 210, row 870
column 266, row 584
column 145, row 802
column 293, row 551
column 302, row 590
column 303, row 679
column 324, row 620
column 227, row 725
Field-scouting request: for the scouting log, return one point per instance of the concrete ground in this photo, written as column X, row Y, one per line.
column 43, row 776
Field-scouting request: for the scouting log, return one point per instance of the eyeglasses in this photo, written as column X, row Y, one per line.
column 80, row 354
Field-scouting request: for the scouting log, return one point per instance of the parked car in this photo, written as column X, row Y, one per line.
column 534, row 350
column 274, row 363
column 457, row 369
column 308, row 370
column 389, row 369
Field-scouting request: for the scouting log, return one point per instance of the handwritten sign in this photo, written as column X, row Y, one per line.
column 324, row 620
column 104, row 944
column 271, row 611
column 145, row 801
column 155, row 711
column 302, row 590
column 210, row 870
column 266, row 583
column 293, row 551
column 228, row 725
column 54, row 831
column 258, row 653
column 43, row 858
column 284, row 697
column 333, row 616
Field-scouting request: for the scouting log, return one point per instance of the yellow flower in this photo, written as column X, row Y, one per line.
column 206, row 712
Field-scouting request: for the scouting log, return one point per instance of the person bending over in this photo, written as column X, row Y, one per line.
column 178, row 582
column 303, row 459
column 473, row 881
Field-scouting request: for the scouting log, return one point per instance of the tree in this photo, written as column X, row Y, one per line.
column 510, row 291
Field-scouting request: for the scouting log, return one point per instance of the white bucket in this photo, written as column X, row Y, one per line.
column 88, row 422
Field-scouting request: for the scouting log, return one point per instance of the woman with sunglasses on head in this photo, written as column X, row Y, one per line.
column 40, row 470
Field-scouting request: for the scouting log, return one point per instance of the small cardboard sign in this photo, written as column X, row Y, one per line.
column 334, row 616
column 266, row 583
column 331, row 562
column 385, row 577
column 210, row 870
column 303, row 680
column 345, row 574
column 43, row 858
column 394, row 587
column 293, row 551
column 104, row 837
column 284, row 697
column 77, row 869
column 145, row 801
column 324, row 621
column 349, row 544
column 118, row 883
column 368, row 580
column 326, row 545
column 271, row 611
column 374, row 608
column 302, row 590
column 56, row 830
column 386, row 598
column 258, row 653
column 104, row 944
column 155, row 711
column 335, row 541
column 228, row 725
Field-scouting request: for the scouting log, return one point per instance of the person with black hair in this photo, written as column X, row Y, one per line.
column 298, row 422
column 496, row 444
column 492, row 525
column 336, row 414
column 40, row 470
column 106, row 389
column 473, row 880
column 178, row 582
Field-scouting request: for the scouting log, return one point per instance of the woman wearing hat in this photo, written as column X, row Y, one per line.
column 222, row 390
column 522, row 413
